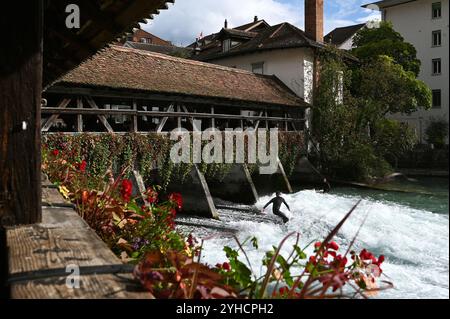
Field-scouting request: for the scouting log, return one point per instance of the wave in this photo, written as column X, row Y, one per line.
column 415, row 242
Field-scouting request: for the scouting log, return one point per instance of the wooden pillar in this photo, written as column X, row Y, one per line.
column 20, row 115
column 135, row 118
column 179, row 118
column 79, row 116
column 213, row 120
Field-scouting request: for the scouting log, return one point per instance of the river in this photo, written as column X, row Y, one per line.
column 410, row 229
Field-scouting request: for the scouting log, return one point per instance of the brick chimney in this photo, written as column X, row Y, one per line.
column 314, row 19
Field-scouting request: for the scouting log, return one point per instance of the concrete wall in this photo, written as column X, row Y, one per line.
column 413, row 20
column 292, row 66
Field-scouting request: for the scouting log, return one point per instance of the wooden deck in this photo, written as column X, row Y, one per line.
column 39, row 254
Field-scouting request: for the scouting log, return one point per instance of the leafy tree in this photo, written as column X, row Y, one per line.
column 437, row 132
column 384, row 40
column 354, row 137
column 385, row 87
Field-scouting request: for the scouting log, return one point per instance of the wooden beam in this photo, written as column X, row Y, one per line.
column 164, row 119
column 258, row 121
column 48, row 124
column 20, row 117
column 49, row 110
column 102, row 118
column 179, row 118
column 191, row 119
column 199, row 100
column 79, row 116
column 134, row 128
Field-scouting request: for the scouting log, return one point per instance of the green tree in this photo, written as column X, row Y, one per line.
column 437, row 132
column 385, row 87
column 384, row 40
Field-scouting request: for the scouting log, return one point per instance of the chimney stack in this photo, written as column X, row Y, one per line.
column 226, row 24
column 314, row 19
column 256, row 18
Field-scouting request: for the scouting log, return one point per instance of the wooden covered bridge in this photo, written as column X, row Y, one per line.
column 116, row 90
column 128, row 90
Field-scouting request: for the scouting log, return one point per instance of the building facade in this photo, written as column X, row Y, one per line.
column 282, row 50
column 425, row 24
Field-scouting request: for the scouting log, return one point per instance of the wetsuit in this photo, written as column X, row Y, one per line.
column 277, row 201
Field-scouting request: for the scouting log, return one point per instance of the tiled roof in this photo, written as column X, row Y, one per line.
column 135, row 70
column 281, row 36
column 164, row 49
column 340, row 35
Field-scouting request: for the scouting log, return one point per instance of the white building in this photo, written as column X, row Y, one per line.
column 425, row 24
column 282, row 50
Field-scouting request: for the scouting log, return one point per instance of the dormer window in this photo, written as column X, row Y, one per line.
column 226, row 45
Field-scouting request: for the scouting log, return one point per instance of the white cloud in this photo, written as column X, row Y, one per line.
column 184, row 20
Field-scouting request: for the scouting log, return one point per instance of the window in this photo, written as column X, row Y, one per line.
column 258, row 68
column 436, row 10
column 437, row 38
column 146, row 40
column 436, row 66
column 226, row 45
column 436, row 99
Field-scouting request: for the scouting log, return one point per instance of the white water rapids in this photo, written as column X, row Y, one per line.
column 415, row 242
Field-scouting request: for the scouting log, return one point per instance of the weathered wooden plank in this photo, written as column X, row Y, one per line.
column 53, row 246
column 20, row 121
column 91, row 287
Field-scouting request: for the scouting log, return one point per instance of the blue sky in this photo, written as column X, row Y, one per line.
column 186, row 19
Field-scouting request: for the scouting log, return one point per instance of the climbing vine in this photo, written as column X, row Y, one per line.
column 150, row 155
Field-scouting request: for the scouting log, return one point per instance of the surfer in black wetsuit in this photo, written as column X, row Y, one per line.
column 277, row 201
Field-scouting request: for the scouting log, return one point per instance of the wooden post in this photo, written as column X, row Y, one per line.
column 79, row 116
column 135, row 118
column 179, row 118
column 20, row 116
column 213, row 120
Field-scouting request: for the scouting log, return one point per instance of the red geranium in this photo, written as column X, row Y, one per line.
column 176, row 199
column 55, row 152
column 126, row 190
column 82, row 166
column 333, row 245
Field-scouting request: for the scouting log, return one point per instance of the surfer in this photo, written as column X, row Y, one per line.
column 326, row 186
column 277, row 202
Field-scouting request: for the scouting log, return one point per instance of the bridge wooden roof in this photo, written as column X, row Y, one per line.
column 132, row 70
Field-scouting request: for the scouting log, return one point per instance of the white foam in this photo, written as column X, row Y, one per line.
column 414, row 242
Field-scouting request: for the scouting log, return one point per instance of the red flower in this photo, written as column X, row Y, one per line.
column 55, row 152
column 312, row 259
column 126, row 190
column 333, row 245
column 380, row 260
column 176, row 199
column 317, row 245
column 226, row 266
column 82, row 166
column 283, row 290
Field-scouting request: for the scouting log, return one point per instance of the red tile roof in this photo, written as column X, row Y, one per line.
column 136, row 70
